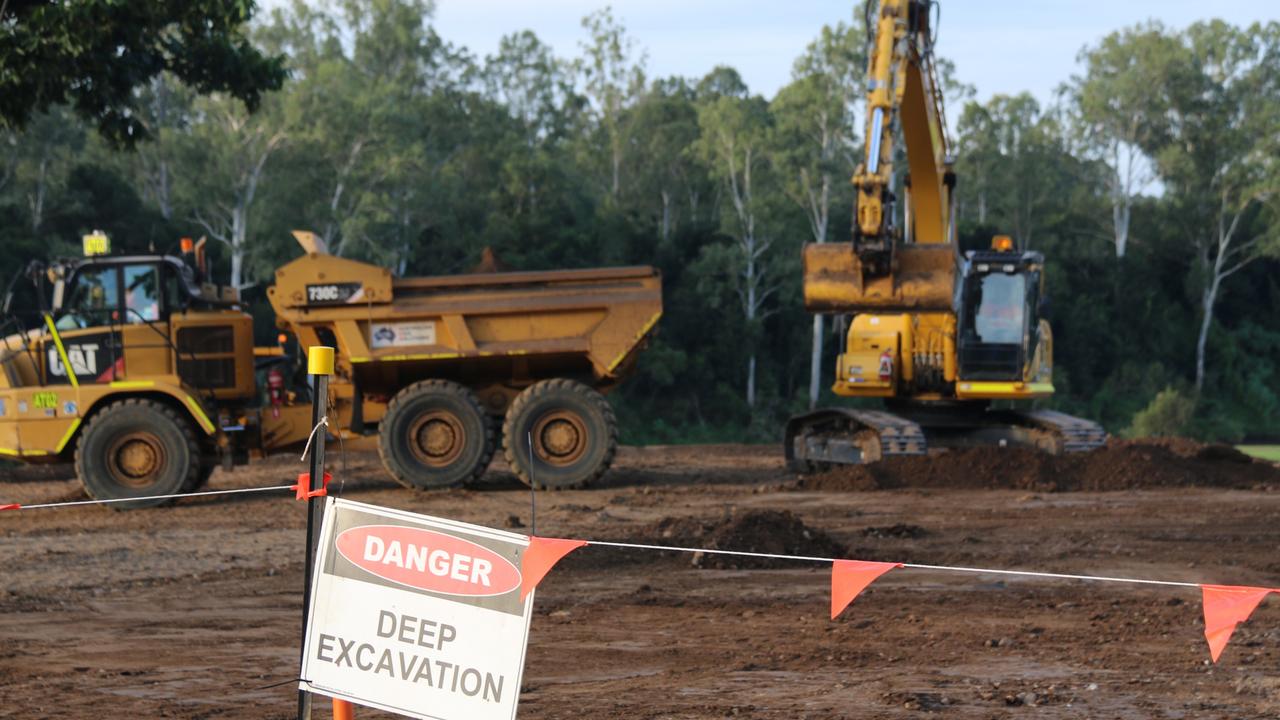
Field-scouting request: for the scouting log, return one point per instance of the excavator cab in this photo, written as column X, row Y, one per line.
column 998, row 324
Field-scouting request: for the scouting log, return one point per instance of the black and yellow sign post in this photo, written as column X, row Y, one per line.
column 319, row 367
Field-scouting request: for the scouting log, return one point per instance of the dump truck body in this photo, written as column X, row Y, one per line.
column 495, row 332
column 482, row 339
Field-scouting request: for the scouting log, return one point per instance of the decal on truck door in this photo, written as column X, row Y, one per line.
column 402, row 334
column 92, row 357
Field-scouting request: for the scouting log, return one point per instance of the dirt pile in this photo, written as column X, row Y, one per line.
column 1121, row 465
column 777, row 532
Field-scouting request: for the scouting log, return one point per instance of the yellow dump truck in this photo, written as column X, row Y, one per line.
column 144, row 374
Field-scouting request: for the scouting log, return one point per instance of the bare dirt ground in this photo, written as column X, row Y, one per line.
column 189, row 611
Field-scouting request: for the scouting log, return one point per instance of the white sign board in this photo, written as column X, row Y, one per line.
column 402, row 334
column 416, row 615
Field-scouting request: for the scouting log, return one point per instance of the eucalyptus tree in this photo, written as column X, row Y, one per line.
column 1112, row 101
column 1212, row 132
column 612, row 72
column 815, row 143
column 734, row 143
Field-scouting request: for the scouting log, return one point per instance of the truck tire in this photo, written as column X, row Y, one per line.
column 137, row 448
column 574, row 433
column 435, row 435
column 201, row 479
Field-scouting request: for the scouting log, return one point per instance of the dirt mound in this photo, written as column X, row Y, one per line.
column 1121, row 465
column 901, row 530
column 777, row 532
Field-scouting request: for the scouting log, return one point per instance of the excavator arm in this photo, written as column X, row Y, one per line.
column 902, row 88
column 887, row 268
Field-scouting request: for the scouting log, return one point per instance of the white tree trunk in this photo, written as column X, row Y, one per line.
column 10, row 158
column 615, row 147
column 1208, row 300
column 1229, row 251
column 749, row 242
column 240, row 232
column 164, row 190
column 815, row 363
column 1120, row 218
column 35, row 201
column 666, row 215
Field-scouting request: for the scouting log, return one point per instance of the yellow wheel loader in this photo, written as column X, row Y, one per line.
column 943, row 338
column 144, row 375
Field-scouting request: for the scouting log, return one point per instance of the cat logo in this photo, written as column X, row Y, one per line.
column 88, row 355
column 82, row 356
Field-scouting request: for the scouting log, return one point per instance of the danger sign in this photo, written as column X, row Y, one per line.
column 416, row 615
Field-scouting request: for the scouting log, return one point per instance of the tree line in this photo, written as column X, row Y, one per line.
column 1150, row 183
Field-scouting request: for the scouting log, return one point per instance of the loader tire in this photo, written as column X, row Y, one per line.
column 435, row 435
column 137, row 448
column 573, row 430
column 201, row 479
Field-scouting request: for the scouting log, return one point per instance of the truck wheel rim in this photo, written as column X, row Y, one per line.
column 437, row 438
column 560, row 437
column 135, row 458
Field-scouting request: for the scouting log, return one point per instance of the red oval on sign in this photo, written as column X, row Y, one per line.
column 428, row 560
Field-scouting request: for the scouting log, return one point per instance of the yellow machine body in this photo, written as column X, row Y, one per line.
column 42, row 407
column 899, row 284
column 937, row 334
column 496, row 333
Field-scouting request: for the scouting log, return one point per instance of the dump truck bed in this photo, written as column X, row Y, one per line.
column 484, row 329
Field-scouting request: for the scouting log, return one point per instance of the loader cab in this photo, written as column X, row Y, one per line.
column 998, row 314
column 114, row 291
column 135, row 318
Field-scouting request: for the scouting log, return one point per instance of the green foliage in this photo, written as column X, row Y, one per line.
column 402, row 149
column 1168, row 415
column 93, row 54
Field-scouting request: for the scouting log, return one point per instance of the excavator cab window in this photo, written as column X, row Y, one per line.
column 999, row 309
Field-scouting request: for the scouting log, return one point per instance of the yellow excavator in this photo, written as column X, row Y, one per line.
column 942, row 337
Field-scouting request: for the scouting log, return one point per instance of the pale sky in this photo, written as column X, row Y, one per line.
column 999, row 46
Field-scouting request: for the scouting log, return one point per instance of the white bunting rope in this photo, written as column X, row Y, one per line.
column 674, row 548
column 918, row 566
column 324, row 423
column 156, row 497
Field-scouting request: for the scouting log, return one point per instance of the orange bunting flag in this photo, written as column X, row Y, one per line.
column 1225, row 606
column 850, row 577
column 542, row 555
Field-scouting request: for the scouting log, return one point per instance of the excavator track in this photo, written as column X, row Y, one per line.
column 847, row 436
column 1074, row 434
